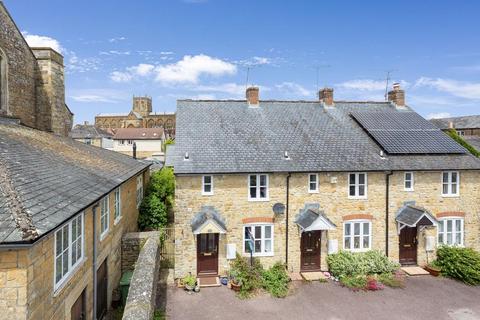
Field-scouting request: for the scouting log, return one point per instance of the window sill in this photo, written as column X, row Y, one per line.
column 357, row 250
column 259, row 255
column 103, row 235
column 313, row 191
column 57, row 288
column 450, row 195
column 116, row 221
column 207, row 194
column 357, row 198
column 258, row 200
column 408, row 190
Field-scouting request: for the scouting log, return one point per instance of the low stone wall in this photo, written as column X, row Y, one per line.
column 143, row 287
column 131, row 246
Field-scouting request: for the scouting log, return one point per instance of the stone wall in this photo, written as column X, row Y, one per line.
column 143, row 287
column 132, row 243
column 231, row 200
column 32, row 274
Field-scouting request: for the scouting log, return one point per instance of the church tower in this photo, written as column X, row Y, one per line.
column 142, row 105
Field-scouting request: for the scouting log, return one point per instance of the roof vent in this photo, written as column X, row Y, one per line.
column 286, row 156
column 382, row 154
column 143, row 134
column 186, row 157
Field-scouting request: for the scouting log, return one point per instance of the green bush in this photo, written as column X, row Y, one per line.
column 459, row 263
column 246, row 275
column 346, row 263
column 275, row 280
column 454, row 135
column 153, row 213
column 354, row 282
column 162, row 184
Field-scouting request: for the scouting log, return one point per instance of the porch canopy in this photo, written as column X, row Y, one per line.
column 208, row 220
column 412, row 216
column 312, row 219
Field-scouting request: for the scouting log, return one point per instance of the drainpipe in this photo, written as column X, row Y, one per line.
column 94, row 260
column 134, row 150
column 286, row 220
column 387, row 199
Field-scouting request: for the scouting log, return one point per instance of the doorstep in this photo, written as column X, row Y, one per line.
column 415, row 271
column 313, row 276
column 205, row 282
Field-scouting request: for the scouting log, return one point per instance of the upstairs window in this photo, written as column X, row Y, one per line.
column 450, row 183
column 408, row 181
column 461, row 132
column 357, row 185
column 139, row 190
column 313, row 183
column 104, row 216
column 207, row 185
column 258, row 187
column 117, row 205
column 69, row 247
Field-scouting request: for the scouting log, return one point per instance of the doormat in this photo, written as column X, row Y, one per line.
column 313, row 276
column 415, row 271
column 208, row 282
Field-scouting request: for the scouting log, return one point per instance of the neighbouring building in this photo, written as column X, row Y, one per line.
column 303, row 179
column 468, row 127
column 141, row 116
column 148, row 141
column 89, row 134
column 32, row 87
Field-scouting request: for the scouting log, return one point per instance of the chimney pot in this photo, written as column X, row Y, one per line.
column 450, row 125
column 326, row 96
column 397, row 95
column 252, row 95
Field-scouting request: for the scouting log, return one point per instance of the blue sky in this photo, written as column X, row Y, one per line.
column 201, row 49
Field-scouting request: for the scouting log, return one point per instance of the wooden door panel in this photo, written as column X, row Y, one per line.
column 310, row 250
column 102, row 287
column 78, row 311
column 408, row 246
column 207, row 253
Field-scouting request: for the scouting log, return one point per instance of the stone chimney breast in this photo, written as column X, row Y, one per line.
column 326, row 96
column 252, row 96
column 397, row 95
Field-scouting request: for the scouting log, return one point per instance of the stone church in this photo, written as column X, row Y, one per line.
column 141, row 116
column 32, row 87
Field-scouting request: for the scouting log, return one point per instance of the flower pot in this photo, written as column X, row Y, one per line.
column 433, row 271
column 235, row 287
column 224, row 281
column 197, row 288
column 189, row 288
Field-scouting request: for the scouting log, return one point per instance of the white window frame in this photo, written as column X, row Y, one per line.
column 362, row 235
column 412, row 181
column 257, row 187
column 88, row 141
column 262, row 239
column 450, row 184
column 139, row 190
column 207, row 193
column 68, row 250
column 121, row 142
column 443, row 222
column 357, row 185
column 104, row 216
column 117, row 205
column 461, row 133
column 310, row 190
column 129, row 142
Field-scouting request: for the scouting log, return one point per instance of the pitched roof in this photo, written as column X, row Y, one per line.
column 474, row 141
column 81, row 131
column 465, row 122
column 122, row 114
column 229, row 136
column 45, row 180
column 138, row 134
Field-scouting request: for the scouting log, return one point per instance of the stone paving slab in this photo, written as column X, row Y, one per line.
column 313, row 276
column 415, row 271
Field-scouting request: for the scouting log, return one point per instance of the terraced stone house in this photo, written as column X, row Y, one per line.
column 64, row 205
column 304, row 179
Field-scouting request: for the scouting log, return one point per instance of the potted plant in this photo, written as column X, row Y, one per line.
column 433, row 269
column 189, row 282
column 234, row 284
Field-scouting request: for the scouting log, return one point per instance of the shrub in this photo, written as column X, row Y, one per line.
column 455, row 136
column 247, row 275
column 355, row 282
column 189, row 280
column 275, row 280
column 162, row 184
column 346, row 263
column 153, row 213
column 392, row 280
column 459, row 263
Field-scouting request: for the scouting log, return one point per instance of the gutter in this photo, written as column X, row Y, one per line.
column 286, row 219
column 387, row 200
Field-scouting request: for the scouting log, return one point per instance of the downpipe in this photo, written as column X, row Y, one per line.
column 387, row 213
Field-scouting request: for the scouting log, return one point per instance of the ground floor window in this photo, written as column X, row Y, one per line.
column 260, row 238
column 450, row 231
column 357, row 235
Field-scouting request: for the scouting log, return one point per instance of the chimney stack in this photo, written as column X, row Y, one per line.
column 326, row 96
column 397, row 95
column 134, row 150
column 450, row 125
column 86, row 123
column 252, row 96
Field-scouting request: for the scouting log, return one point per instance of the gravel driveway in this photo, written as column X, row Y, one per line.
column 424, row 297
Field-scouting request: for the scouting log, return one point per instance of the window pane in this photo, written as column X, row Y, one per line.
column 458, row 225
column 207, row 188
column 258, row 232
column 361, row 190
column 449, row 238
column 58, row 270
column 454, row 177
column 356, row 228
column 352, row 178
column 408, row 185
column 449, row 225
column 352, row 190
column 347, row 243
column 366, row 242
column 258, row 246
column 440, row 226
column 440, row 238
column 408, row 176
column 247, row 250
column 79, row 249
column 74, row 254
column 313, row 186
column 366, row 229
column 59, row 242
column 268, row 232
column 454, row 188
column 263, row 180
column 356, row 242
column 347, row 229
column 263, row 192
column 207, row 179
column 445, row 189
column 253, row 180
column 458, row 239
column 445, row 177
column 65, row 237
column 253, row 192
column 268, row 245
column 361, row 178
column 65, row 263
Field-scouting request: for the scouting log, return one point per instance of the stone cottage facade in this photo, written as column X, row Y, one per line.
column 308, row 178
column 32, row 86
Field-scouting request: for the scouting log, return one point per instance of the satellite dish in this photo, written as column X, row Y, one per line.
column 279, row 208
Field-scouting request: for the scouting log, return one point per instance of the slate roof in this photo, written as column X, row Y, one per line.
column 123, row 114
column 46, row 179
column 411, row 215
column 465, row 122
column 231, row 137
column 474, row 141
column 207, row 213
column 138, row 134
column 81, row 131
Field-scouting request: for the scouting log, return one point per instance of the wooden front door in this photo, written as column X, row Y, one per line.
column 207, row 254
column 408, row 246
column 310, row 251
column 78, row 311
column 102, row 287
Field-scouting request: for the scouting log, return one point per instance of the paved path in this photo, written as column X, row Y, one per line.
column 424, row 297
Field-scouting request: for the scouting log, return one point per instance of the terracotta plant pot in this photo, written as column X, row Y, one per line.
column 433, row 271
column 235, row 287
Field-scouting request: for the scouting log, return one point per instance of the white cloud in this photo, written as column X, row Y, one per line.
column 438, row 115
column 143, row 69
column 166, row 53
column 34, row 40
column 82, row 65
column 130, row 73
column 191, row 68
column 118, row 76
column 462, row 89
column 230, row 88
column 254, row 61
column 294, row 88
column 115, row 52
column 369, row 85
column 98, row 95
column 116, row 39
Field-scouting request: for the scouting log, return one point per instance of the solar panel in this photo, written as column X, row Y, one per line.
column 406, row 133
